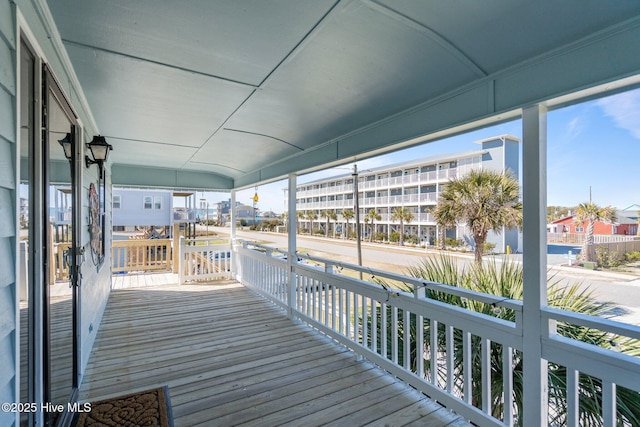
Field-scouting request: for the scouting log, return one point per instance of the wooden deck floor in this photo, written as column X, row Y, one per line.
column 231, row 358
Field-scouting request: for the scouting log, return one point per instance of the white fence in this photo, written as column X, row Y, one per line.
column 200, row 260
column 578, row 238
column 446, row 351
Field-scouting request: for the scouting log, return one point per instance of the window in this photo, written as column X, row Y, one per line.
column 116, row 202
column 148, row 202
column 579, row 229
column 157, row 203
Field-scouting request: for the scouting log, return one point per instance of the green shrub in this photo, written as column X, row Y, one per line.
column 394, row 237
column 607, row 258
column 380, row 237
column 487, row 247
column 411, row 239
column 454, row 243
column 632, row 256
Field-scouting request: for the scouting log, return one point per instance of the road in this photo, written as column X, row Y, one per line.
column 621, row 290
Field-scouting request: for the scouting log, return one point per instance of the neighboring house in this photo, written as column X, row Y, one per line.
column 414, row 185
column 137, row 207
column 631, row 212
column 245, row 213
column 622, row 226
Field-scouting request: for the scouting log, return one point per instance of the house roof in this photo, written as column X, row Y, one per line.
column 619, row 220
column 226, row 94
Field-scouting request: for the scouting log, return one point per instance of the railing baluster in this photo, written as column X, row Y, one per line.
column 485, row 374
column 608, row 403
column 356, row 319
column 466, row 366
column 433, row 341
column 573, row 411
column 406, row 344
column 374, row 326
column 348, row 310
column 365, row 321
column 383, row 330
column 420, row 346
column 333, row 308
column 394, row 334
column 507, row 384
column 341, row 312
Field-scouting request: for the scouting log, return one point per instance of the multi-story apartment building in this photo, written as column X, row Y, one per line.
column 414, row 185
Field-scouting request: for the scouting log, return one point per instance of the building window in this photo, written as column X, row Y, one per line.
column 579, row 229
column 157, row 203
column 116, row 202
column 148, row 202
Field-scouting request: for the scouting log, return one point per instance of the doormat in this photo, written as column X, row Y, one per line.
column 146, row 408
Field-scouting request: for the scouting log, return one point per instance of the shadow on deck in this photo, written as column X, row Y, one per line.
column 231, row 358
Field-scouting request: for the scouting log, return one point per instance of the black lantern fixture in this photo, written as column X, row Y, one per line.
column 99, row 149
column 66, row 146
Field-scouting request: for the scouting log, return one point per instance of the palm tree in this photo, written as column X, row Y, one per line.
column 325, row 214
column 591, row 213
column 333, row 216
column 299, row 216
column 483, row 200
column 284, row 216
column 373, row 216
column 348, row 214
column 311, row 216
column 506, row 280
column 445, row 219
column 403, row 215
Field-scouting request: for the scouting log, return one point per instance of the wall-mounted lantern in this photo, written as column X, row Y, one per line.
column 99, row 149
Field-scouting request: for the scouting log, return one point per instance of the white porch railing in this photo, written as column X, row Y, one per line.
column 438, row 352
column 201, row 260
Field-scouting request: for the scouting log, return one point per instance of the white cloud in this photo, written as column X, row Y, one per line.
column 574, row 128
column 624, row 109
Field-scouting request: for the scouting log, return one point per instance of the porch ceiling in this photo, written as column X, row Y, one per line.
column 227, row 93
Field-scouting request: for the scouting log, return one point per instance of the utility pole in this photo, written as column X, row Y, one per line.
column 356, row 204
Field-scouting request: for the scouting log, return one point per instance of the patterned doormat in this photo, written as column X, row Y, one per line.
column 146, row 408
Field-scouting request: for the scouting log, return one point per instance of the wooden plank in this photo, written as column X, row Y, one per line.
column 230, row 357
column 417, row 410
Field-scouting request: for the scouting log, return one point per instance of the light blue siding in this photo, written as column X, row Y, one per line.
column 8, row 197
column 132, row 212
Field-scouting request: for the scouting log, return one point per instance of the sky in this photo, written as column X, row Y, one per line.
column 592, row 148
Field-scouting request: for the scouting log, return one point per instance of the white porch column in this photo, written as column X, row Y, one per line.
column 232, row 216
column 292, row 258
column 534, row 193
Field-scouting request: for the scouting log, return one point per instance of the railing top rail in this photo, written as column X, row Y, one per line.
column 261, row 246
column 418, row 282
column 208, row 240
column 140, row 242
column 605, row 325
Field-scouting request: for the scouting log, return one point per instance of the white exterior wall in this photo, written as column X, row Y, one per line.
column 9, row 308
